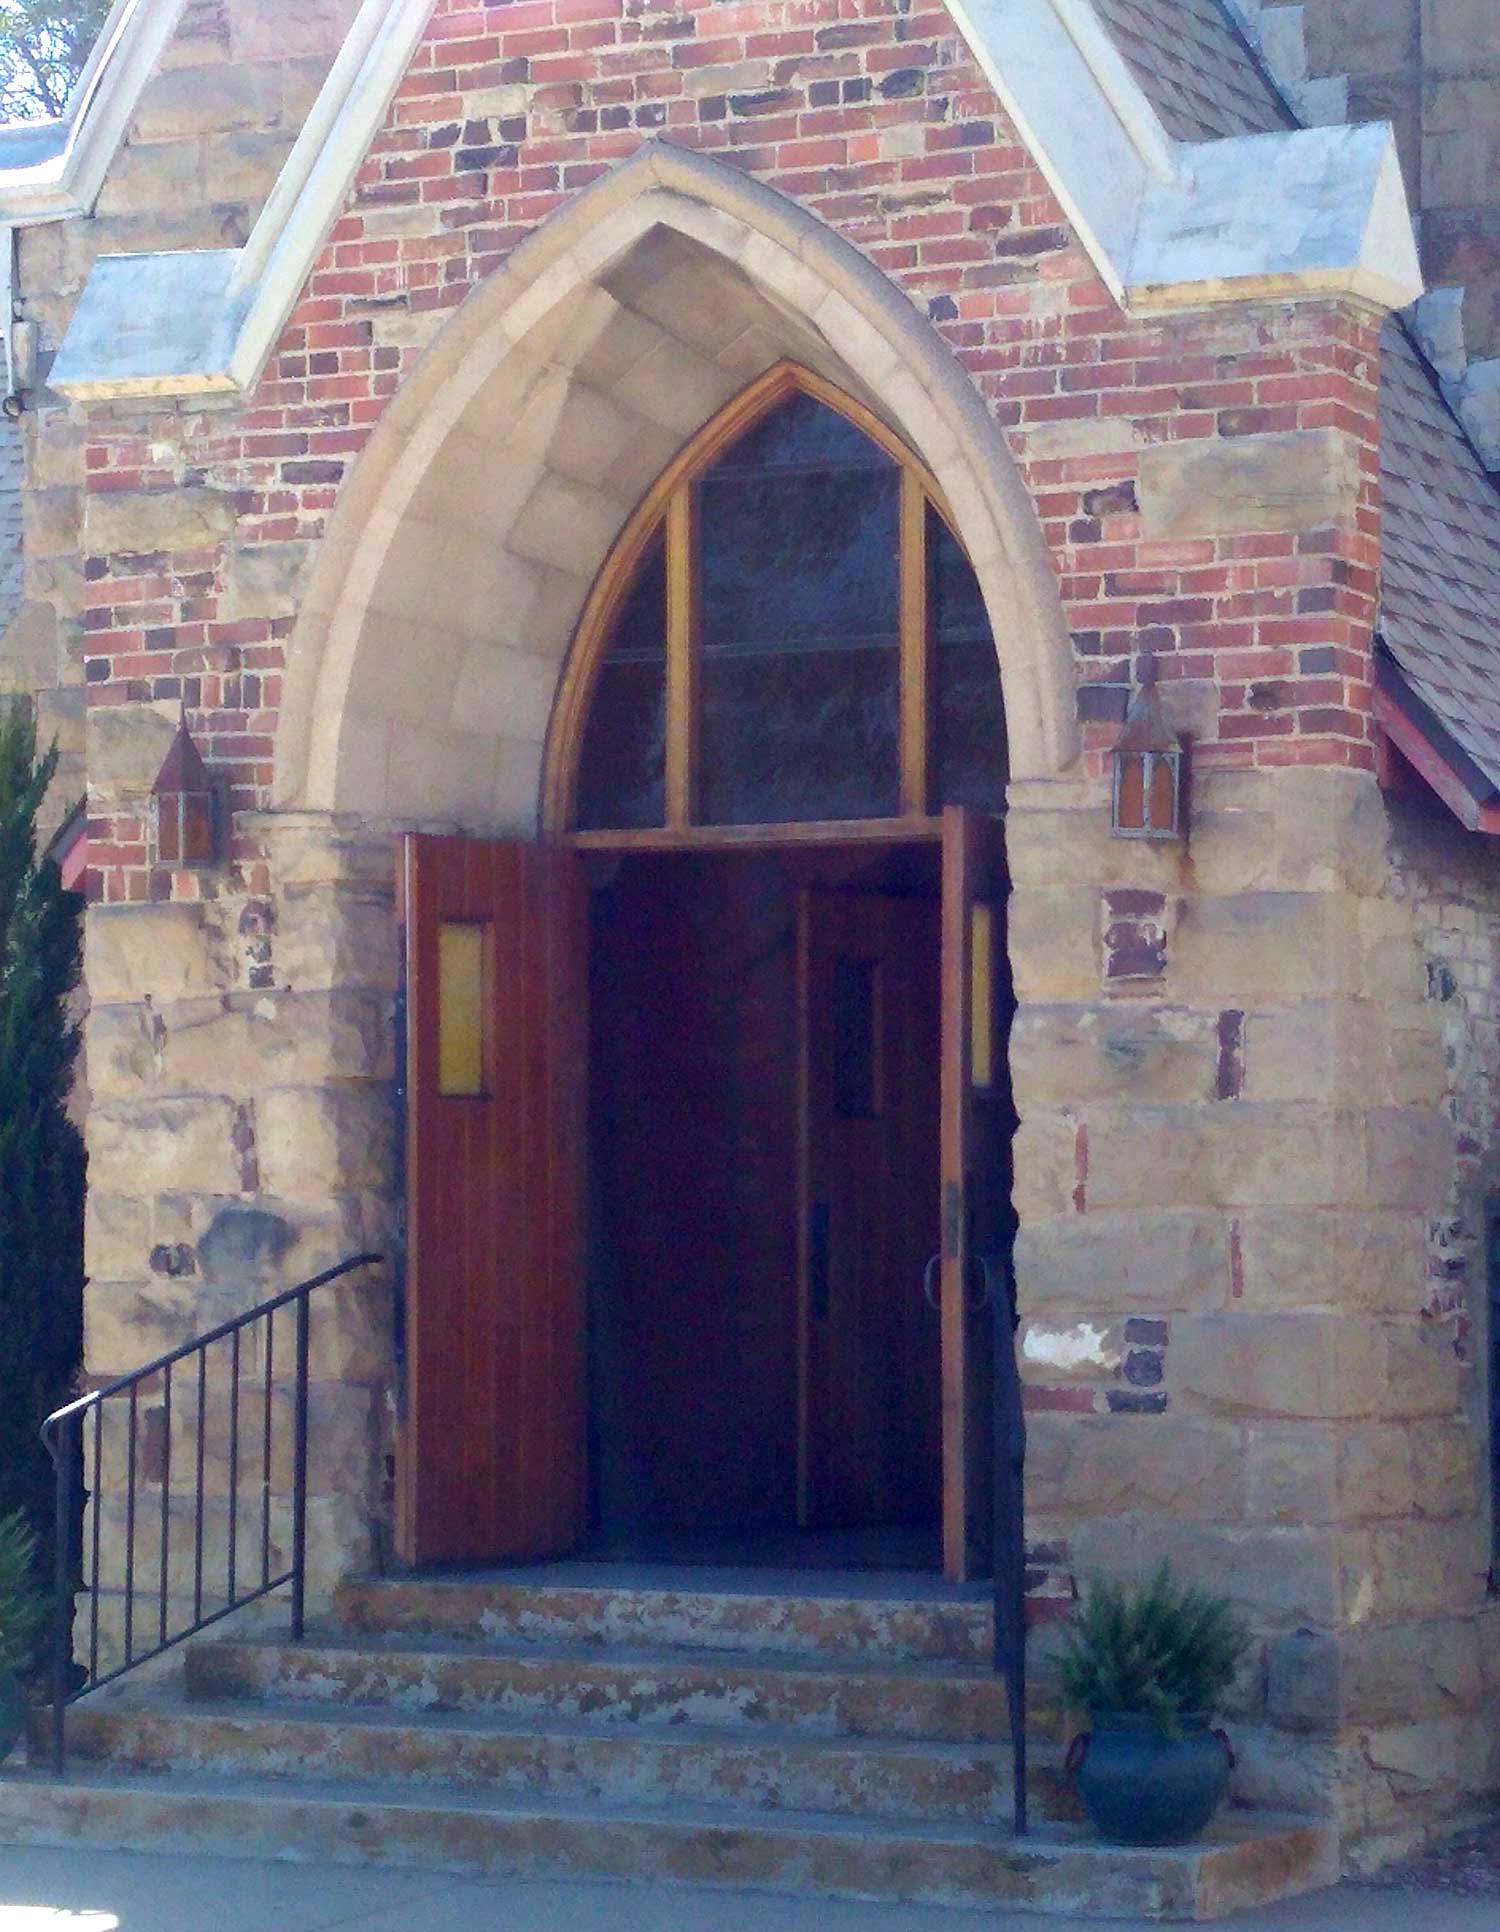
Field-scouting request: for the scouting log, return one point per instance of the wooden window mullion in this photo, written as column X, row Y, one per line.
column 916, row 654
column 682, row 657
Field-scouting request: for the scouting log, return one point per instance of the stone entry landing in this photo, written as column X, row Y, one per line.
column 840, row 1741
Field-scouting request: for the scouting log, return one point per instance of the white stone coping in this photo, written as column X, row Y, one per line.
column 1316, row 211
column 196, row 322
column 50, row 170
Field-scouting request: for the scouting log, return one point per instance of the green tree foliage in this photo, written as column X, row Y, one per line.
column 41, row 1150
column 1156, row 1649
column 20, row 1600
column 43, row 47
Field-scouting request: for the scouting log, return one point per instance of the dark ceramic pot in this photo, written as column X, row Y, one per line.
column 1141, row 1786
column 14, row 1705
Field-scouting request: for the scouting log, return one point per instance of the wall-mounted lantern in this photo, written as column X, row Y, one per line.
column 184, row 809
column 1150, row 778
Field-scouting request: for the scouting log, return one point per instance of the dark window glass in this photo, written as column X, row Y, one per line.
column 969, row 746
column 800, row 682
column 622, row 772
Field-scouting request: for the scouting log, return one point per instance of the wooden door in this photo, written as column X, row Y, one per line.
column 977, row 1218
column 492, row 1450
column 869, row 1377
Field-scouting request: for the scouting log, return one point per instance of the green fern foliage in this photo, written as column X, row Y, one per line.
column 20, row 1605
column 1157, row 1649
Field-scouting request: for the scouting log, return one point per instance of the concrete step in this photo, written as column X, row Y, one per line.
column 1243, row 1862
column 879, row 1617
column 624, row 1685
column 765, row 1769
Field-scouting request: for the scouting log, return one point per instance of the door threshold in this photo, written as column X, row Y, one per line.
column 715, row 1579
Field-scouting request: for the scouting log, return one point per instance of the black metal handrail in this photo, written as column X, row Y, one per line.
column 1009, row 1502
column 62, row 1433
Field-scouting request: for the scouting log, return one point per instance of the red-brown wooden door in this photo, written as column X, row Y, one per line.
column 976, row 1215
column 492, row 1452
column 869, row 1380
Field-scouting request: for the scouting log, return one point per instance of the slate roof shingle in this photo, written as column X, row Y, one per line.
column 1440, row 603
column 1202, row 78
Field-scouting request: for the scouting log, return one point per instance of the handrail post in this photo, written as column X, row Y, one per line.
column 1009, row 1534
column 64, row 1450
column 299, row 1479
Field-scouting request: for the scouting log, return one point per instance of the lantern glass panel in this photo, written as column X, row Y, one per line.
column 1163, row 809
column 1130, row 790
column 197, row 847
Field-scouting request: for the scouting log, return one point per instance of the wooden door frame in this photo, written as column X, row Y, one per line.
column 960, row 869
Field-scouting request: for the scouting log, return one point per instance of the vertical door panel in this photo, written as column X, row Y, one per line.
column 492, row 1449
column 869, row 1431
column 977, row 1218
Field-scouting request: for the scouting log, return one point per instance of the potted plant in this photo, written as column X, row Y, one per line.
column 1149, row 1663
column 20, row 1625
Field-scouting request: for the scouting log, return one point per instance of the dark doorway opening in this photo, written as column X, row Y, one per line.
column 764, row 1338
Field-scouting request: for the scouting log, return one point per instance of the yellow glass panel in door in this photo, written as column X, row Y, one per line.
column 462, row 946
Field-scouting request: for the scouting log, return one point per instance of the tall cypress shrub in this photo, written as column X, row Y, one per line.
column 41, row 1150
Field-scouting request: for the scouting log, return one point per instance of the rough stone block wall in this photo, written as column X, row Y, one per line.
column 1432, row 68
column 1226, row 1059
column 1234, row 1353
column 210, row 136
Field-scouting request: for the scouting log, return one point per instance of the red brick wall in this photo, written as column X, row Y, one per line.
column 872, row 115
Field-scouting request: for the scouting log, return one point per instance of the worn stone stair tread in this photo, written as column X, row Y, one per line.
column 164, row 1705
column 856, row 1615
column 603, row 1575
column 369, row 1646
column 1232, row 1828
column 1241, row 1861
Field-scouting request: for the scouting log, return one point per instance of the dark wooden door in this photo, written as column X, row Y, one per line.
column 977, row 1218
column 492, row 1447
column 869, row 1383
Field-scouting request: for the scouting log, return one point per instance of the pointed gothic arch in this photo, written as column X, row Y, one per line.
column 665, row 532
column 428, row 654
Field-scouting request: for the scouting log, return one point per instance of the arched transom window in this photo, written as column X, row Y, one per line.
column 788, row 633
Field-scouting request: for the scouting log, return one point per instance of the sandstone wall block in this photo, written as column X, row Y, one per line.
column 1125, row 1263
column 1246, row 1155
column 1423, row 1568
column 1309, row 1365
column 246, row 1042
column 1053, row 944
column 1291, row 480
column 1265, row 948
column 1050, row 847
column 157, row 1146
column 1125, row 1465
column 158, row 952
column 1290, row 1473
column 188, row 101
column 1410, row 1157
column 1279, row 1578
column 1071, row 1054
column 1424, row 1376
column 126, row 1323
column 1045, row 1157
column 330, row 937
column 1374, row 1473
column 314, row 1141
column 1319, row 1049
column 130, row 522
column 1446, row 1474
column 1306, row 1258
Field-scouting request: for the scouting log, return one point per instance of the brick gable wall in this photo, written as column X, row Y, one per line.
column 874, row 118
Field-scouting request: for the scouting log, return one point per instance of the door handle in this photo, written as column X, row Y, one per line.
column 817, row 1261
column 975, row 1304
